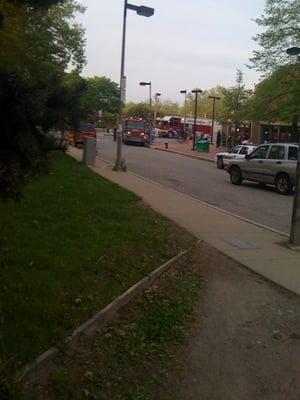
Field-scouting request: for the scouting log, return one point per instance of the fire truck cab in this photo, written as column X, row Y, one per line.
column 135, row 131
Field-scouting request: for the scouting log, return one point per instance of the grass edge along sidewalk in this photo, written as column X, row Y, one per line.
column 131, row 356
column 74, row 243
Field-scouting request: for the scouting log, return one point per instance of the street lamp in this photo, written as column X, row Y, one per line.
column 145, row 12
column 184, row 92
column 295, row 223
column 156, row 97
column 150, row 98
column 196, row 91
column 214, row 98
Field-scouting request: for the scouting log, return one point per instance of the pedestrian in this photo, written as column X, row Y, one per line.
column 218, row 142
column 115, row 133
column 229, row 141
column 181, row 135
column 223, row 139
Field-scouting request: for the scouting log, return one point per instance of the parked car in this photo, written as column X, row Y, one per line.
column 272, row 163
column 85, row 130
column 239, row 151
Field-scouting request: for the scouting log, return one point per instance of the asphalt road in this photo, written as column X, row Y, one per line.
column 201, row 179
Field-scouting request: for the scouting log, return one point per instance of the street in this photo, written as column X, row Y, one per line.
column 202, row 180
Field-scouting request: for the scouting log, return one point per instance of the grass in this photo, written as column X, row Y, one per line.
column 130, row 359
column 73, row 244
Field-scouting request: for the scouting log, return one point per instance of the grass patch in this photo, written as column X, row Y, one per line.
column 131, row 358
column 73, row 244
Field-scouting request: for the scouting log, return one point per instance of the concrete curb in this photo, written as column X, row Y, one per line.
column 182, row 154
column 32, row 371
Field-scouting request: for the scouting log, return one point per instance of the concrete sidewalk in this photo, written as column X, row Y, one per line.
column 256, row 248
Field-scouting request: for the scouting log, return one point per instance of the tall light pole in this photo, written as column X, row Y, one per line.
column 214, row 98
column 150, row 98
column 145, row 12
column 196, row 91
column 156, row 97
column 295, row 223
column 184, row 92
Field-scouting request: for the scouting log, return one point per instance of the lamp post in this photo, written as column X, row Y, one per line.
column 150, row 98
column 196, row 91
column 184, row 92
column 156, row 97
column 145, row 12
column 214, row 98
column 295, row 223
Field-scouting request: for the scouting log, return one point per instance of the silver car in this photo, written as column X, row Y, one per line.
column 272, row 163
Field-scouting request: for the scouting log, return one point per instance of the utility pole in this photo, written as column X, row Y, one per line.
column 213, row 116
column 196, row 91
column 295, row 223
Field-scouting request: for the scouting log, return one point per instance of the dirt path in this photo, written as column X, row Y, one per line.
column 245, row 341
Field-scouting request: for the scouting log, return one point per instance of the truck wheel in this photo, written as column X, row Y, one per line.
column 236, row 176
column 220, row 163
column 283, row 184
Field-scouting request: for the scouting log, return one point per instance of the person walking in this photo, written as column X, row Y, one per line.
column 115, row 133
column 218, row 143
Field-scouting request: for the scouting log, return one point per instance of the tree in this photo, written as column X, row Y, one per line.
column 234, row 100
column 101, row 94
column 140, row 110
column 277, row 97
column 204, row 108
column 281, row 24
column 36, row 46
column 278, row 94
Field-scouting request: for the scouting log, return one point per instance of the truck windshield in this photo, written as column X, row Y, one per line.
column 135, row 124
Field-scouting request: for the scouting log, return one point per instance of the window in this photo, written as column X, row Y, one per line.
column 293, row 152
column 235, row 150
column 135, row 124
column 277, row 153
column 243, row 150
column 260, row 152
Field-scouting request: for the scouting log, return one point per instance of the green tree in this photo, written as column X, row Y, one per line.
column 277, row 97
column 204, row 107
column 101, row 94
column 281, row 29
column 234, row 101
column 140, row 110
column 278, row 94
column 36, row 46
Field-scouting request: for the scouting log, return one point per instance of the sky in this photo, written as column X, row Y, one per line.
column 184, row 45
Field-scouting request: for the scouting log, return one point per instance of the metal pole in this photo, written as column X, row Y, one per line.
column 150, row 103
column 184, row 124
column 195, row 121
column 119, row 133
column 295, row 223
column 213, row 120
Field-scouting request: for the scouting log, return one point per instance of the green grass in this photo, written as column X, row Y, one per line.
column 131, row 358
column 73, row 244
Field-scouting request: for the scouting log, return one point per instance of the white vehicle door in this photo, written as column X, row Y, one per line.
column 255, row 165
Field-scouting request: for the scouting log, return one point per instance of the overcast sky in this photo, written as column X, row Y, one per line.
column 186, row 44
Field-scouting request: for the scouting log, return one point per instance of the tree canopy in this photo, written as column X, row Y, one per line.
column 280, row 26
column 277, row 96
column 36, row 47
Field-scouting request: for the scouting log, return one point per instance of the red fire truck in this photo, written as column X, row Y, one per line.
column 169, row 126
column 135, row 131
